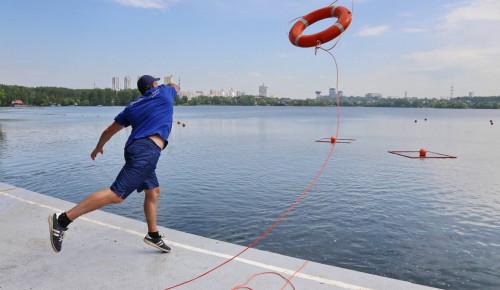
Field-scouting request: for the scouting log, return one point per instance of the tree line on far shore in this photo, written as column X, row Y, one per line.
column 50, row 96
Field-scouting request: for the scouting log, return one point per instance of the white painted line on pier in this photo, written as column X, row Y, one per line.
column 195, row 249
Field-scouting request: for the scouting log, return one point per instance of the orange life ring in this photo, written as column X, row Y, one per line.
column 344, row 19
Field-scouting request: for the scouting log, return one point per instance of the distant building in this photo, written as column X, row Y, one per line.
column 263, row 90
column 471, row 94
column 168, row 80
column 188, row 94
column 332, row 94
column 214, row 93
column 17, row 103
column 127, row 83
column 115, row 84
column 231, row 93
column 373, row 95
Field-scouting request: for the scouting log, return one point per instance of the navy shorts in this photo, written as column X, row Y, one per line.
column 138, row 173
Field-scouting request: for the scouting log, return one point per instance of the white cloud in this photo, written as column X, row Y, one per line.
column 373, row 31
column 478, row 10
column 443, row 58
column 477, row 22
column 465, row 39
column 148, row 4
column 473, row 62
column 415, row 30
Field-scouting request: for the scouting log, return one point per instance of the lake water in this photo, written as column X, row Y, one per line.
column 230, row 172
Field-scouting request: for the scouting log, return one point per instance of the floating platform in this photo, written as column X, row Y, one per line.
column 336, row 140
column 422, row 154
column 106, row 251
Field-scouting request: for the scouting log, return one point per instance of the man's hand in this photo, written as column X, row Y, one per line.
column 105, row 136
column 176, row 87
column 93, row 155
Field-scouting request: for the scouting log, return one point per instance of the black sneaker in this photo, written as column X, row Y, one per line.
column 157, row 243
column 57, row 233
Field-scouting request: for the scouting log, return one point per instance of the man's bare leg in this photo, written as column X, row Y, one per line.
column 58, row 224
column 150, row 211
column 151, row 208
column 92, row 202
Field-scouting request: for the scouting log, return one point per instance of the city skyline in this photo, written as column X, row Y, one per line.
column 116, row 86
column 415, row 48
column 263, row 90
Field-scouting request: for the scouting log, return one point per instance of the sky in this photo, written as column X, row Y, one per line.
column 392, row 47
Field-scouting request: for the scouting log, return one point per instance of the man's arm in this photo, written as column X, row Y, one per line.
column 105, row 136
column 176, row 87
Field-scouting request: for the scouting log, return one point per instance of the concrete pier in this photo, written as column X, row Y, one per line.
column 106, row 251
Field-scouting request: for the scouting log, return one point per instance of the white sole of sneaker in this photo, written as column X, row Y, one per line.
column 51, row 223
column 156, row 246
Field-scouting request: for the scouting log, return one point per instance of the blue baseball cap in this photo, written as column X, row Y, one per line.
column 145, row 82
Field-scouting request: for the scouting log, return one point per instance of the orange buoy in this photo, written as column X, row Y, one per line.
column 333, row 139
column 344, row 19
column 422, row 153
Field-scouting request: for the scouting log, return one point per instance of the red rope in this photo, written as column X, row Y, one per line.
column 287, row 281
column 295, row 273
column 296, row 202
column 306, row 191
column 302, row 196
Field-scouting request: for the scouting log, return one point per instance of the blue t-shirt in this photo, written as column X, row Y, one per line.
column 149, row 114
